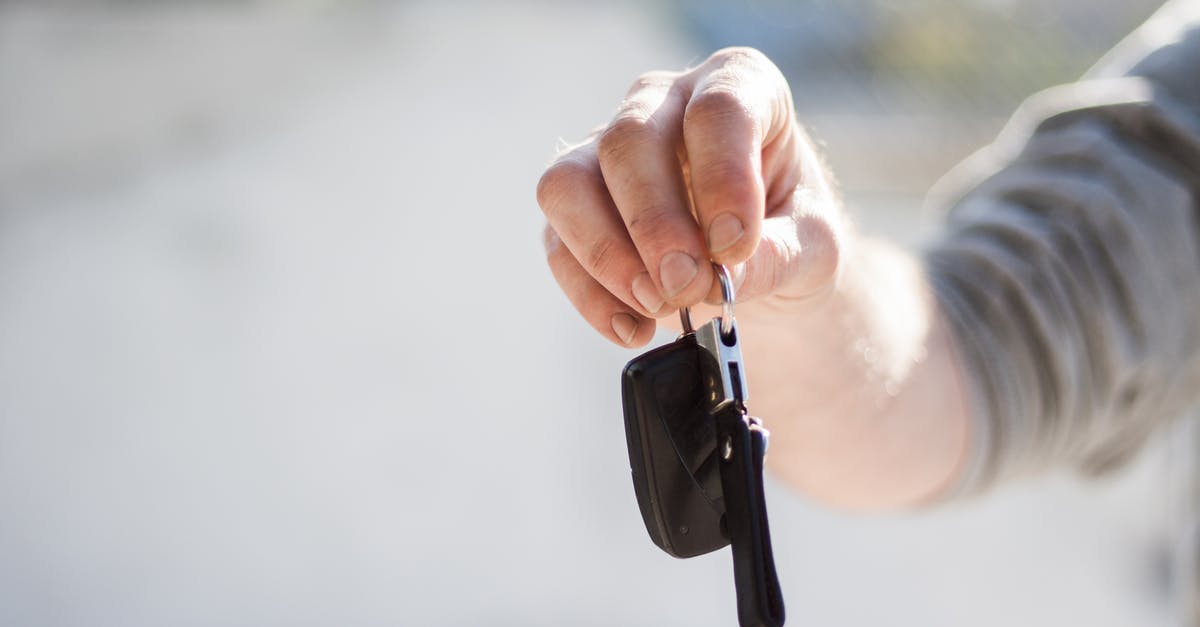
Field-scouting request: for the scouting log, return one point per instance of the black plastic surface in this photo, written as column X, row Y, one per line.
column 759, row 598
column 671, row 438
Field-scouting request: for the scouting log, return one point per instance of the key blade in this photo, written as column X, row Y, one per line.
column 727, row 382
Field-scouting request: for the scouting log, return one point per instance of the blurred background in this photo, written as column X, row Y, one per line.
column 278, row 345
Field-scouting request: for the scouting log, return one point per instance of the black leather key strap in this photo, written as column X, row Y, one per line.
column 742, row 448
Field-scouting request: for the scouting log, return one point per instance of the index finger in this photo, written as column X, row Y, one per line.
column 639, row 160
column 740, row 103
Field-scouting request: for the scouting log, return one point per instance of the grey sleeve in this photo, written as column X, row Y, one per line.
column 1069, row 269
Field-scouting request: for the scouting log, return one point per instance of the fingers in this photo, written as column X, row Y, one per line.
column 638, row 157
column 694, row 166
column 606, row 313
column 582, row 213
column 739, row 105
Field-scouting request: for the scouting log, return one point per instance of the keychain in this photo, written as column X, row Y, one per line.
column 697, row 457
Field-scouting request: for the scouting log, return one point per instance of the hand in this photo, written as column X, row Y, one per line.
column 852, row 366
column 708, row 163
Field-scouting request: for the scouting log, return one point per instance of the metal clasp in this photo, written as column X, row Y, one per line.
column 719, row 338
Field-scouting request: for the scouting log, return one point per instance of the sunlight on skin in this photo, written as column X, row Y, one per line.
column 848, row 362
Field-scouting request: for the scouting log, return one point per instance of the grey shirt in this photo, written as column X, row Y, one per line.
column 1070, row 268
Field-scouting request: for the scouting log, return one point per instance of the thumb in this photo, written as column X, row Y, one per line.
column 798, row 256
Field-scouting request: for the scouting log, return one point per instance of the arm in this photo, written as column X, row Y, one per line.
column 1070, row 270
column 1055, row 322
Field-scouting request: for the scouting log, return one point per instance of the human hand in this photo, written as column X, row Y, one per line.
column 707, row 163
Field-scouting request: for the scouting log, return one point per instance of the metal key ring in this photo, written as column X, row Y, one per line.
column 727, row 298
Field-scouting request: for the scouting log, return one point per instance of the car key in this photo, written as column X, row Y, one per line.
column 696, row 456
column 673, row 449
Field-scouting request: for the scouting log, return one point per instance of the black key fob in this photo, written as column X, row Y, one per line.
column 672, row 449
column 696, row 456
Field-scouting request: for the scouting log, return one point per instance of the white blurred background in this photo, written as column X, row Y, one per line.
column 278, row 346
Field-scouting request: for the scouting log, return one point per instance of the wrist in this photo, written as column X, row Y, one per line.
column 857, row 384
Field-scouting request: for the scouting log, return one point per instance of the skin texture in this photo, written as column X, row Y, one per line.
column 849, row 361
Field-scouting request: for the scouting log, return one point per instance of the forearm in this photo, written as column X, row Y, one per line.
column 859, row 384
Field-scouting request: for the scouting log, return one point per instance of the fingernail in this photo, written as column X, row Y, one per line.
column 624, row 326
column 676, row 271
column 646, row 294
column 724, row 232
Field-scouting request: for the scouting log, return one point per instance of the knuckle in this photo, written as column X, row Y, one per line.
column 740, row 55
column 599, row 259
column 651, row 226
column 824, row 247
column 720, row 104
column 730, row 178
column 652, row 80
column 558, row 182
column 627, row 132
